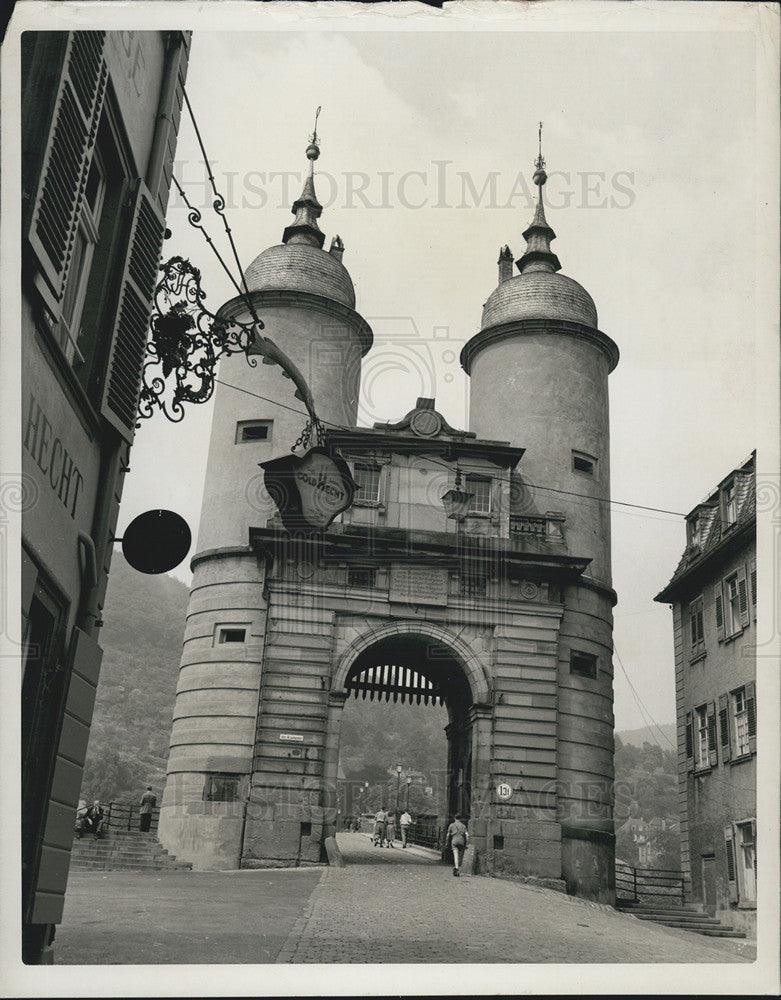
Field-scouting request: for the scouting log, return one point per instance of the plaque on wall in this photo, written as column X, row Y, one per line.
column 418, row 584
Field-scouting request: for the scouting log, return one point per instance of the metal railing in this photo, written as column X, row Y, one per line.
column 649, row 885
column 125, row 816
column 426, row 832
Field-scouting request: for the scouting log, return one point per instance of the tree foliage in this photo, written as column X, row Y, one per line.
column 646, row 788
column 142, row 642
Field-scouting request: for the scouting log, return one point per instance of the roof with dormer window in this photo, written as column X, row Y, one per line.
column 715, row 536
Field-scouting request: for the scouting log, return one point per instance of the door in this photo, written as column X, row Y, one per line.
column 747, row 859
column 709, row 883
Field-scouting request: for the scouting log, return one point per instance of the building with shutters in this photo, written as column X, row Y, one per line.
column 100, row 115
column 713, row 594
column 502, row 612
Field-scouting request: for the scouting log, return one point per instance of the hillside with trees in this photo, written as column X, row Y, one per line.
column 141, row 637
column 646, row 794
column 128, row 749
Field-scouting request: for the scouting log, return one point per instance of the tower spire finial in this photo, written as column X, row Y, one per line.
column 313, row 149
column 538, row 255
column 539, row 173
column 307, row 209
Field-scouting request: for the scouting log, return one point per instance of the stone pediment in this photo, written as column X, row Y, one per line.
column 424, row 421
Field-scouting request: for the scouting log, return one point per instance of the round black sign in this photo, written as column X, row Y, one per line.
column 156, row 541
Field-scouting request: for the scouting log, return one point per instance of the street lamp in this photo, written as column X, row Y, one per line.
column 398, row 784
column 409, row 782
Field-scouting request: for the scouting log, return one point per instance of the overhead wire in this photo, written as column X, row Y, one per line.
column 643, row 710
column 218, row 206
column 444, row 465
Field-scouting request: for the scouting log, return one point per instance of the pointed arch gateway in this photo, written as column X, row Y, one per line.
column 421, row 662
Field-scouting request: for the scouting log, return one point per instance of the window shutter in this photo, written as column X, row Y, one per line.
column 66, row 159
column 752, row 572
column 689, row 743
column 128, row 347
column 718, row 601
column 742, row 597
column 712, row 759
column 751, row 716
column 724, row 726
column 729, row 841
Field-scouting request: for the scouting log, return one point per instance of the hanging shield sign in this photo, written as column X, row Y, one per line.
column 311, row 491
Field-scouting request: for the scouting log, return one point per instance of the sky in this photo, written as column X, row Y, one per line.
column 428, row 140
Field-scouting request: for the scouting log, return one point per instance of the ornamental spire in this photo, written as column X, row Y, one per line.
column 307, row 209
column 538, row 255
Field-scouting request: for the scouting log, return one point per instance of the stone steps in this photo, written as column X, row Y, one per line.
column 687, row 918
column 123, row 850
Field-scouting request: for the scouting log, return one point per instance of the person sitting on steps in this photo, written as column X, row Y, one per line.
column 95, row 819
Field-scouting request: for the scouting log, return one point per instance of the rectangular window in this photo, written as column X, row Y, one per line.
column 231, row 633
column 696, row 631
column 735, row 604
column 480, row 487
column 368, row 479
column 221, row 787
column 740, row 717
column 701, row 722
column 583, row 664
column 581, row 462
column 730, row 504
column 253, row 430
column 359, row 576
column 85, row 240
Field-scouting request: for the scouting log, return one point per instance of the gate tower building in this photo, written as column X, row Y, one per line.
column 502, row 612
column 538, row 373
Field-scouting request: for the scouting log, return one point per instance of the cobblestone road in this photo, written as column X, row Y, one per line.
column 402, row 906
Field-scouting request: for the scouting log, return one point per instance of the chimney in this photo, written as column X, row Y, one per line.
column 337, row 248
column 505, row 263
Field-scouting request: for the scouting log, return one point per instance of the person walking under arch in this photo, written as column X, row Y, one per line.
column 390, row 829
column 405, row 823
column 380, row 821
column 457, row 839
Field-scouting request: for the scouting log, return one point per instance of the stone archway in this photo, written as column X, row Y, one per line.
column 457, row 672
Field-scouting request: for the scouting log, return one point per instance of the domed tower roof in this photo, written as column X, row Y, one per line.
column 299, row 262
column 538, row 292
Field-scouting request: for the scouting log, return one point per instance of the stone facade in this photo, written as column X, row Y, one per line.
column 713, row 600
column 100, row 119
column 504, row 611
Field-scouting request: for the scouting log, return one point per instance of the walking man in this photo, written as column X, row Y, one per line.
column 148, row 802
column 405, row 822
column 457, row 838
column 380, row 820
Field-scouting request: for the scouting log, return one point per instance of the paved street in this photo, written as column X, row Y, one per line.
column 387, row 905
column 163, row 917
column 393, row 905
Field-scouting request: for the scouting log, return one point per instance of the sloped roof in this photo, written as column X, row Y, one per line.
column 714, row 534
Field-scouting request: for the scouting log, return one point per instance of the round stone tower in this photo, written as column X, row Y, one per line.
column 539, row 379
column 305, row 299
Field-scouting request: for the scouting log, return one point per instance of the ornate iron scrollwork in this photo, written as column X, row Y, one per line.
column 186, row 343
